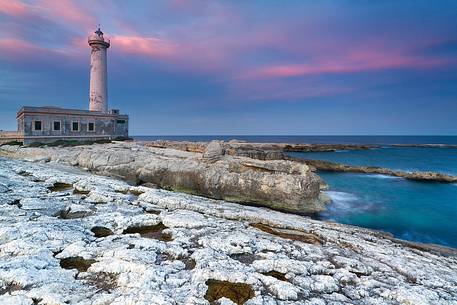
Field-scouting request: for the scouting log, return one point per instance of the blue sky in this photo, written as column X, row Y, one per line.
column 240, row 67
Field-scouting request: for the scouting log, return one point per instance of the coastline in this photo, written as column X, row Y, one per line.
column 203, row 242
column 146, row 163
column 278, row 151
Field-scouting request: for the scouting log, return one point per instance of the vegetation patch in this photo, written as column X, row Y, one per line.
column 60, row 187
column 189, row 263
column 9, row 288
column 76, row 262
column 68, row 143
column 80, row 192
column 276, row 274
column 123, row 139
column 239, row 293
column 150, row 211
column 13, row 143
column 155, row 231
column 101, row 231
column 68, row 214
column 309, row 238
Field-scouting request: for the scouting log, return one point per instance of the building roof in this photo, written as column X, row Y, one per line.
column 64, row 111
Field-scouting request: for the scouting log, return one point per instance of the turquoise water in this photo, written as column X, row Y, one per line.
column 443, row 160
column 417, row 211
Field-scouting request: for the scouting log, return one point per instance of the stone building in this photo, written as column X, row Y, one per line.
column 50, row 124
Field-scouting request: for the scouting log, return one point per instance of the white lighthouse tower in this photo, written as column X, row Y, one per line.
column 98, row 92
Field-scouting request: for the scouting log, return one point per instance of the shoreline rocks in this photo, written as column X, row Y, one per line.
column 262, row 151
column 279, row 184
column 278, row 151
column 215, row 250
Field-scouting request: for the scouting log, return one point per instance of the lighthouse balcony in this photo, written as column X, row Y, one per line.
column 99, row 40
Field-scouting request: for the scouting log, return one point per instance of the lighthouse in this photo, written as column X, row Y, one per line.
column 49, row 124
column 98, row 92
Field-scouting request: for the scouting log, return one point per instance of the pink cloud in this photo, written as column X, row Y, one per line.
column 16, row 46
column 20, row 51
column 350, row 61
column 68, row 11
column 65, row 11
column 148, row 46
column 13, row 7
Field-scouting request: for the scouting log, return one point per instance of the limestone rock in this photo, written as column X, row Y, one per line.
column 214, row 150
column 219, row 251
column 279, row 184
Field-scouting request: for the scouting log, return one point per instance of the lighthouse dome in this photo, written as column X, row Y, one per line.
column 97, row 38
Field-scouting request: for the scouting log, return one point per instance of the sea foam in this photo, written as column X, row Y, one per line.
column 381, row 176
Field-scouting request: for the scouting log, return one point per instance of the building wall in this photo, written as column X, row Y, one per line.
column 106, row 127
column 10, row 136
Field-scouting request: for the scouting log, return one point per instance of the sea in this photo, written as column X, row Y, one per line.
column 416, row 211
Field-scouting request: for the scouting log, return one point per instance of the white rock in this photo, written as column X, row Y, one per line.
column 211, row 240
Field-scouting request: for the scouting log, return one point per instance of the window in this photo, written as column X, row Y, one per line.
column 56, row 126
column 75, row 126
column 120, row 121
column 37, row 125
column 91, row 126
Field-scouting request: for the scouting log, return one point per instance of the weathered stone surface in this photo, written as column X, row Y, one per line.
column 233, row 148
column 279, row 184
column 198, row 147
column 268, row 257
column 242, row 148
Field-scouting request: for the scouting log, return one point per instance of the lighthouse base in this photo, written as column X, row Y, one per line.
column 51, row 124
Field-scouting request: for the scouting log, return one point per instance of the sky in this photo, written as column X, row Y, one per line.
column 178, row 67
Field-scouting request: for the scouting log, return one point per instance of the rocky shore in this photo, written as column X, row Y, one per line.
column 273, row 151
column 72, row 237
column 213, row 172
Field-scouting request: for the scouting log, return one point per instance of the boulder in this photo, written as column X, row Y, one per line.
column 214, row 150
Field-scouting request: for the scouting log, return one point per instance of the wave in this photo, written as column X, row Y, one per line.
column 342, row 202
column 341, row 196
column 381, row 176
